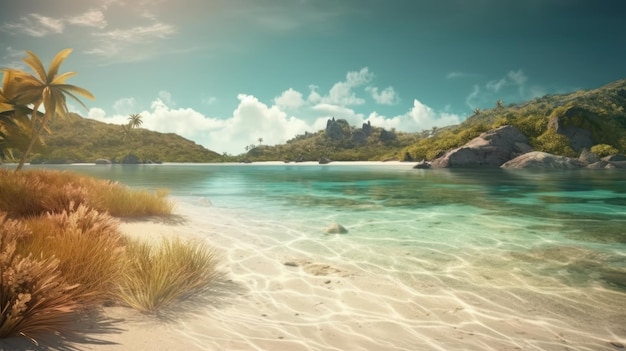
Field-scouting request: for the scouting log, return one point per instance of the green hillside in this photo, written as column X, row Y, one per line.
column 338, row 142
column 80, row 139
column 599, row 111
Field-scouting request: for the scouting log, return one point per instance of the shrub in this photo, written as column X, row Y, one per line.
column 88, row 246
column 34, row 297
column 158, row 275
column 553, row 143
column 604, row 150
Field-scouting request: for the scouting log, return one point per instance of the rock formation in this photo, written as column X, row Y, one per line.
column 490, row 149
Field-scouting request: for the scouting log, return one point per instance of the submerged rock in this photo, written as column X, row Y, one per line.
column 335, row 228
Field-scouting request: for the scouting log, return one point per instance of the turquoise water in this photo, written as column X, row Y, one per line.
column 565, row 226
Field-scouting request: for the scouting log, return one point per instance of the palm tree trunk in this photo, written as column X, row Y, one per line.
column 34, row 138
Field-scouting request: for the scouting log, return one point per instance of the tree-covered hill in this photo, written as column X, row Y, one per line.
column 338, row 142
column 553, row 123
column 80, row 139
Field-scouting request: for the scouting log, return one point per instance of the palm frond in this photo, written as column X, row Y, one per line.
column 61, row 78
column 35, row 63
column 56, row 62
column 68, row 88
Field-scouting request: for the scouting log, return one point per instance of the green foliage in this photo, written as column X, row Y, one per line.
column 79, row 139
column 603, row 150
column 350, row 146
column 601, row 111
column 553, row 143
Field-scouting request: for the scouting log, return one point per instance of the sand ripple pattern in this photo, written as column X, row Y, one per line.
column 291, row 288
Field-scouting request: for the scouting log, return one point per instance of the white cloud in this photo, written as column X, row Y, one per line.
column 289, row 99
column 470, row 100
column 35, row 25
column 92, row 18
column 124, row 105
column 516, row 78
column 420, row 117
column 454, row 75
column 139, row 33
column 166, row 97
column 386, row 97
column 125, row 44
column 251, row 120
column 289, row 116
column 511, row 87
column 209, row 100
column 342, row 93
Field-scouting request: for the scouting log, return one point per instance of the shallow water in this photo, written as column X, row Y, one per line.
column 566, row 225
column 544, row 246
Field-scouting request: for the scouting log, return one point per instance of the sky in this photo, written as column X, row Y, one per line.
column 225, row 73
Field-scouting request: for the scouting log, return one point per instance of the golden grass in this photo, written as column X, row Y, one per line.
column 89, row 248
column 36, row 192
column 157, row 275
column 61, row 252
column 34, row 297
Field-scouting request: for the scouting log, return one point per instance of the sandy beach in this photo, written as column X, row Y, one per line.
column 275, row 298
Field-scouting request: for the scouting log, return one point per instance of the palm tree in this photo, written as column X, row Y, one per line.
column 476, row 111
column 14, row 120
column 135, row 120
column 499, row 104
column 260, row 141
column 45, row 89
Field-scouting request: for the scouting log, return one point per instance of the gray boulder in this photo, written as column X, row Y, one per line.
column 579, row 138
column 587, row 157
column 543, row 160
column 490, row 149
column 615, row 158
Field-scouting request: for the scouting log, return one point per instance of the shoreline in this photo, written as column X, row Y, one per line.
column 274, row 298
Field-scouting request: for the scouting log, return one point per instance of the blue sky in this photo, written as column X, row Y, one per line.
column 225, row 72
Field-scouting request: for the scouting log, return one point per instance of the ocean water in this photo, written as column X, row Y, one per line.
column 548, row 246
column 568, row 225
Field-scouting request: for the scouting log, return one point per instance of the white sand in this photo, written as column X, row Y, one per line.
column 273, row 299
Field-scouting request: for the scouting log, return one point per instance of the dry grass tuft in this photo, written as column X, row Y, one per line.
column 36, row 192
column 34, row 297
column 156, row 276
column 87, row 244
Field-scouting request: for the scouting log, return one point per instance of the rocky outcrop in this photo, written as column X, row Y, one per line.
column 423, row 164
column 490, row 149
column 335, row 129
column 367, row 128
column 587, row 157
column 543, row 160
column 615, row 158
column 579, row 138
column 131, row 159
column 387, row 136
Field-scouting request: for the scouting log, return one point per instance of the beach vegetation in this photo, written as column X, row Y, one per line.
column 47, row 89
column 62, row 253
column 155, row 276
column 35, row 298
column 36, row 192
column 603, row 150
